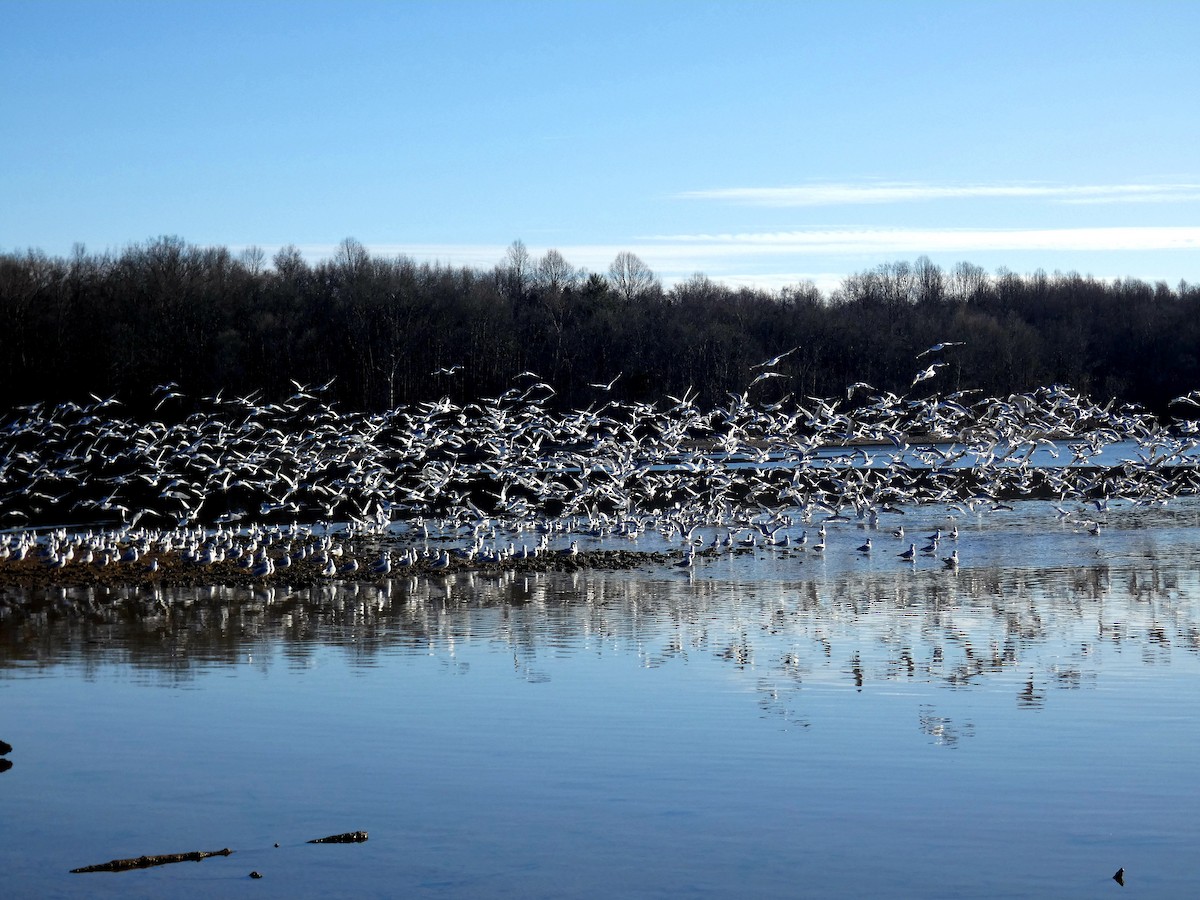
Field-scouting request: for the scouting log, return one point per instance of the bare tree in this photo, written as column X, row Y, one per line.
column 967, row 281
column 254, row 259
column 513, row 274
column 931, row 286
column 630, row 277
column 351, row 256
column 554, row 273
column 289, row 262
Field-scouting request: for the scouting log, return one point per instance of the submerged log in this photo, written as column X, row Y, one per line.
column 350, row 837
column 145, row 862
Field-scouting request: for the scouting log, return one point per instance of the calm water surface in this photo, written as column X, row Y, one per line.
column 771, row 725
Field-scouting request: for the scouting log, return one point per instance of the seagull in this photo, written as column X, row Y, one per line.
column 928, row 373
column 167, row 395
column 606, row 387
column 763, row 376
column 776, row 360
column 689, row 558
column 938, row 348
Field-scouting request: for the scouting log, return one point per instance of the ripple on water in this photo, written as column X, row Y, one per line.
column 764, row 724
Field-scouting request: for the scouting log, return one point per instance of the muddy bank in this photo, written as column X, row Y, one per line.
column 173, row 570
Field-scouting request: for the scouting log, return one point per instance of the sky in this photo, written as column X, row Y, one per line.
column 759, row 143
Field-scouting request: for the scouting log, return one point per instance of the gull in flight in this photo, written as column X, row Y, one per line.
column 763, row 376
column 926, row 374
column 774, row 361
column 938, row 348
column 609, row 386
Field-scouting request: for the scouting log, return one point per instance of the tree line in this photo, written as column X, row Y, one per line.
column 389, row 330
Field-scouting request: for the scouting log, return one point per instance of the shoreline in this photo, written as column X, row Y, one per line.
column 173, row 570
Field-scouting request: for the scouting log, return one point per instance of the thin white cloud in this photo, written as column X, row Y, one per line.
column 885, row 241
column 770, row 281
column 593, row 257
column 672, row 263
column 450, row 254
column 835, row 194
column 769, row 259
column 684, row 250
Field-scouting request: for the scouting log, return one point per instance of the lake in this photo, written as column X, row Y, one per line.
column 766, row 724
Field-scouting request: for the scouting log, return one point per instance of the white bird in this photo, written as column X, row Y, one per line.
column 763, row 376
column 609, row 386
column 928, row 373
column 775, row 360
column 938, row 348
column 383, row 565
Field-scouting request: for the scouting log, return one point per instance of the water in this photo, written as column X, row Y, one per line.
column 769, row 725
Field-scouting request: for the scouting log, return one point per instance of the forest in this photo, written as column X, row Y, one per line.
column 386, row 331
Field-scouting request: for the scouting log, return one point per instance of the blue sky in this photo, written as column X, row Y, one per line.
column 761, row 143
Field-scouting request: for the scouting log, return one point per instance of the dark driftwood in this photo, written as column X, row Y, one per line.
column 145, row 862
column 350, row 837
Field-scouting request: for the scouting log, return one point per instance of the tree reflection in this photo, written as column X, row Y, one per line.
column 1043, row 629
column 942, row 729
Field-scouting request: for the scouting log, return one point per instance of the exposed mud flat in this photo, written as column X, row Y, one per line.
column 173, row 570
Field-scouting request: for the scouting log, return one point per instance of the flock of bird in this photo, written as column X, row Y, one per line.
column 261, row 485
